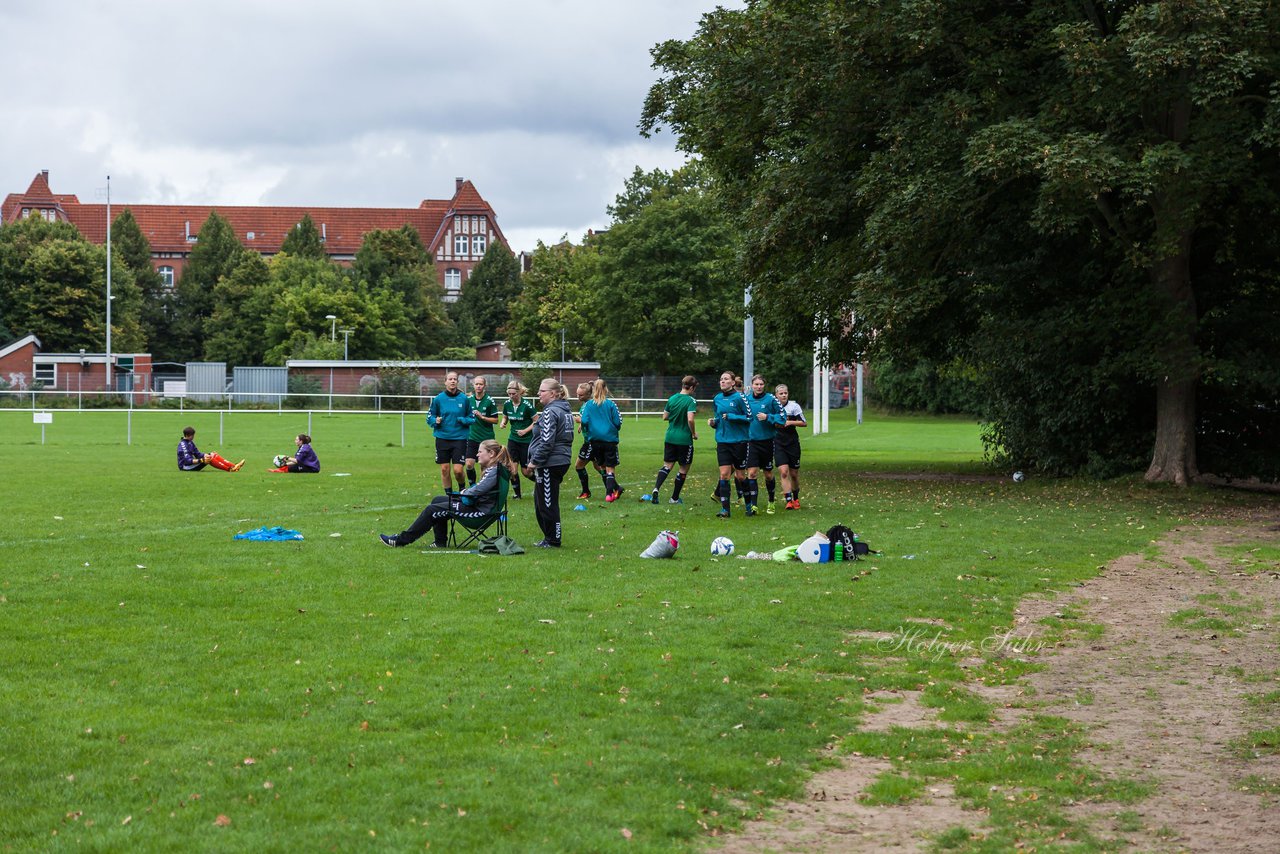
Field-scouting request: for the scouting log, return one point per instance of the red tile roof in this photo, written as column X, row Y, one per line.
column 167, row 227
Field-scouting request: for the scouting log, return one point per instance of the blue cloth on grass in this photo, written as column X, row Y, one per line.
column 269, row 534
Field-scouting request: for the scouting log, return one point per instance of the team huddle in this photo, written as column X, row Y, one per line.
column 754, row 432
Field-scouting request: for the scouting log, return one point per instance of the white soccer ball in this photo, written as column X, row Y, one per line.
column 278, row 460
column 722, row 547
column 1018, row 477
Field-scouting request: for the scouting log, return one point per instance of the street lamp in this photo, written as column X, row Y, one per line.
column 346, row 335
column 333, row 326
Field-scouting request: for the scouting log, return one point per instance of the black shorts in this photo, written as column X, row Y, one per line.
column 604, row 453
column 584, row 453
column 519, row 452
column 787, row 453
column 760, row 454
column 473, row 448
column 732, row 454
column 679, row 454
column 451, row 451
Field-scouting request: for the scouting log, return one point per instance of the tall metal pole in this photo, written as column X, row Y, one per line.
column 110, row 373
column 346, row 336
column 748, row 340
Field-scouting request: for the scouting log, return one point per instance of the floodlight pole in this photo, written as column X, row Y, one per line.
column 346, row 335
column 333, row 327
column 110, row 374
column 748, row 340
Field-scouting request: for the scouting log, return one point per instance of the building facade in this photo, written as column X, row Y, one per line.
column 456, row 231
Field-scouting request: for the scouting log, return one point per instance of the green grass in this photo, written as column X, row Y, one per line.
column 332, row 693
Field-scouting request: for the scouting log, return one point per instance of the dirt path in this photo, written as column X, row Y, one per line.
column 1164, row 699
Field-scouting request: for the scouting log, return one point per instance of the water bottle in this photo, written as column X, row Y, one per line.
column 839, row 551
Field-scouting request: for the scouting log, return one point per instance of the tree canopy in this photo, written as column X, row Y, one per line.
column 53, row 284
column 1075, row 199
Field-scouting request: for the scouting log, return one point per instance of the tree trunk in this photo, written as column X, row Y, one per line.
column 1174, row 457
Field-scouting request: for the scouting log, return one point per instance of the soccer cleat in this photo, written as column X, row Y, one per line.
column 654, row 498
column 388, row 540
column 751, row 510
column 240, row 465
column 618, row 493
column 611, row 497
column 584, row 495
column 769, row 509
column 795, row 505
column 674, row 500
column 723, row 514
column 546, row 544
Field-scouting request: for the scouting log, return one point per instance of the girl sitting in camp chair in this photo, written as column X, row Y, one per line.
column 474, row 502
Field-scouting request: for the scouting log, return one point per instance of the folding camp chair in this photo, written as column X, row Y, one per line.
column 477, row 528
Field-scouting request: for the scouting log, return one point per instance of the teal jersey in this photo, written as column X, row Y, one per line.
column 678, row 408
column 481, row 430
column 518, row 418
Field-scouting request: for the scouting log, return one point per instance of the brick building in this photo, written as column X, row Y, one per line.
column 456, row 231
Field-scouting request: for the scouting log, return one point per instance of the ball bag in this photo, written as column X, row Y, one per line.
column 663, row 545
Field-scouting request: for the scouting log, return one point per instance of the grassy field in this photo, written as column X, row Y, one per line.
column 167, row 687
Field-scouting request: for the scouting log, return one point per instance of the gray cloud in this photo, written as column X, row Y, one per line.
column 379, row 103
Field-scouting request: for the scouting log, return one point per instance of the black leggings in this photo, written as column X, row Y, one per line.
column 546, row 500
column 436, row 515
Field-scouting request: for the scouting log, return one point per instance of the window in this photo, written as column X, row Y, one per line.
column 26, row 213
column 166, row 277
column 460, row 245
column 477, row 245
column 452, row 283
column 45, row 373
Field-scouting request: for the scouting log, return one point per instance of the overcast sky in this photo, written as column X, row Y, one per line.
column 380, row 103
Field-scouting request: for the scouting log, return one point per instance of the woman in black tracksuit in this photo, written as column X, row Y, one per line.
column 549, row 455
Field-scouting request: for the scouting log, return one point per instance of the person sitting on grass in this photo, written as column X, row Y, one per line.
column 304, row 461
column 190, row 457
column 473, row 502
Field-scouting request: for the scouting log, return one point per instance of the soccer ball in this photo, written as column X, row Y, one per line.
column 1018, row 477
column 278, row 460
column 722, row 547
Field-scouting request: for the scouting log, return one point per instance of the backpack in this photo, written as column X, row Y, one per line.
column 853, row 547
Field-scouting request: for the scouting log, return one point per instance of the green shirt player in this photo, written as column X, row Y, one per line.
column 517, row 413
column 485, row 411
column 678, row 443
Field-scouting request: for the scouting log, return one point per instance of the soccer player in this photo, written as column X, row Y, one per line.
column 584, row 452
column 786, row 447
column 190, row 458
column 732, row 423
column 766, row 417
column 677, row 445
column 517, row 413
column 303, row 461
column 485, row 412
column 449, row 417
column 601, row 420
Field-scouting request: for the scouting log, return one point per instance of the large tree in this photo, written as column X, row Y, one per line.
column 53, row 283
column 216, row 253
column 941, row 171
column 489, row 292
column 554, row 313
column 395, row 265
column 668, row 297
column 157, row 314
